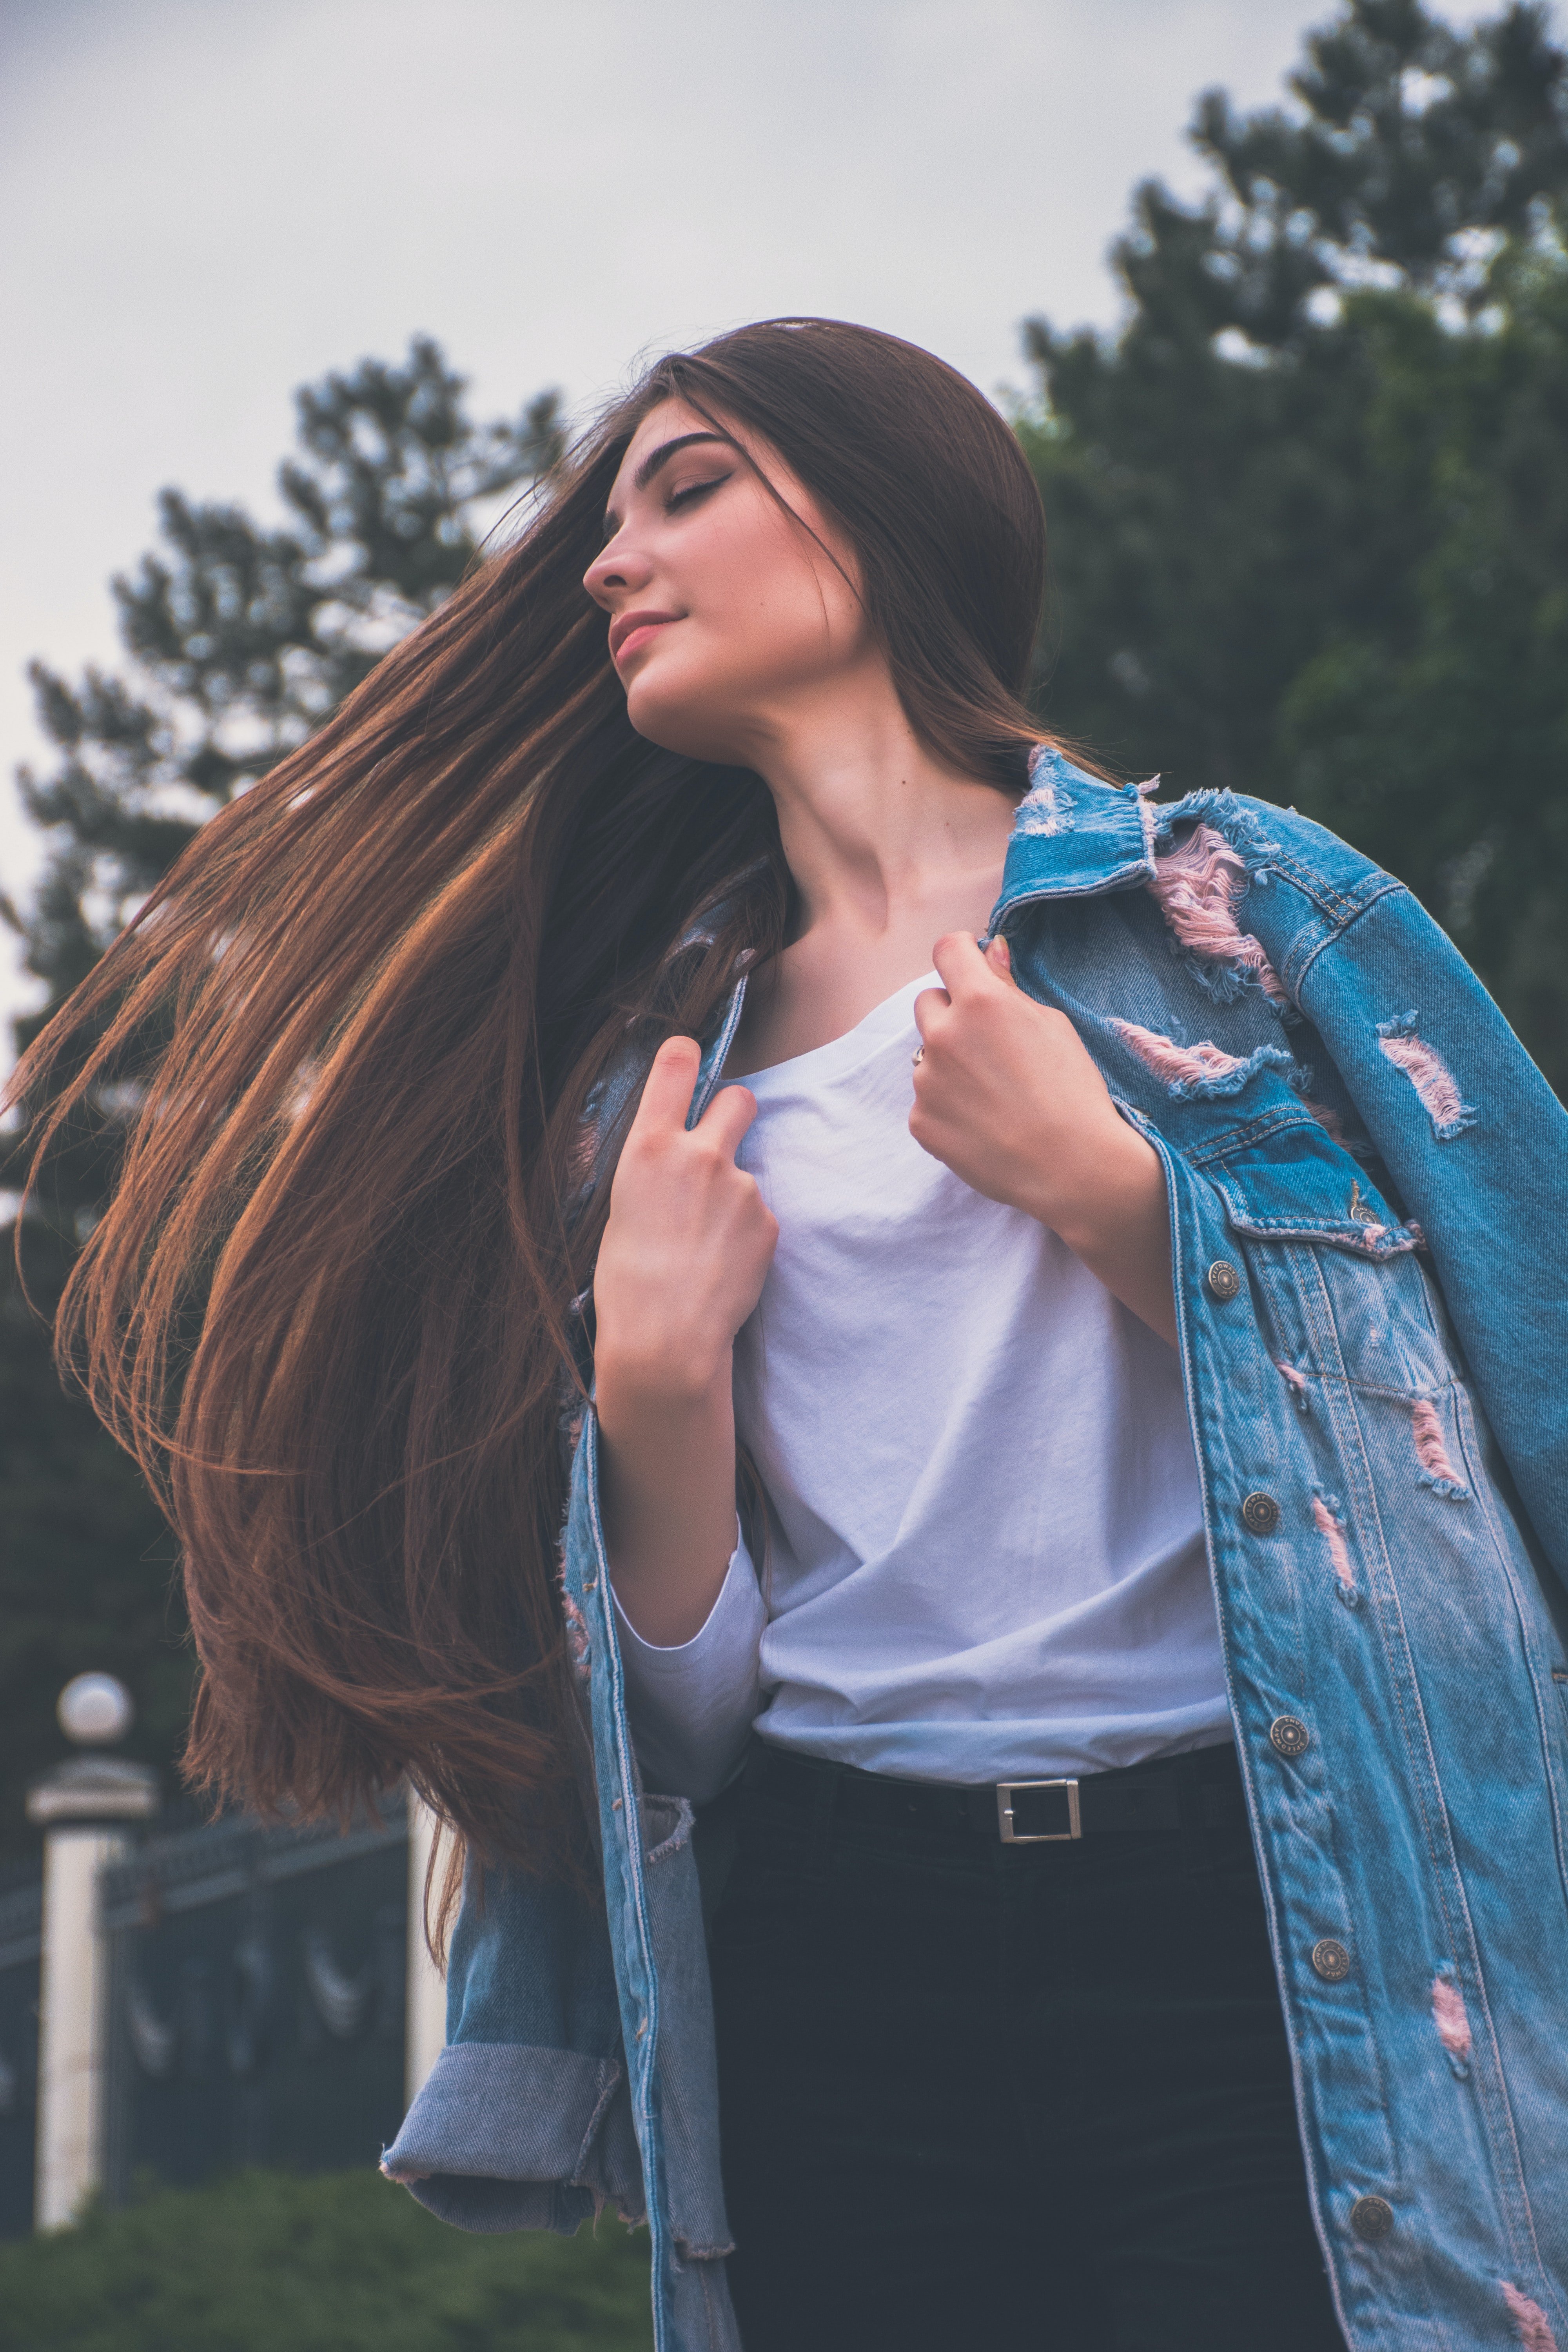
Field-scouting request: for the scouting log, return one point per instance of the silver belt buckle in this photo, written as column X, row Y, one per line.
column 1010, row 1836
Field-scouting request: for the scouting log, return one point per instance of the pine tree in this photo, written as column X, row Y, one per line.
column 239, row 640
column 1310, row 508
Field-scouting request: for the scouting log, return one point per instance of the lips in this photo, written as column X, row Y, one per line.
column 636, row 626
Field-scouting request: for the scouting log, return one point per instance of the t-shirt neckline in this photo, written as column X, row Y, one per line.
column 872, row 1030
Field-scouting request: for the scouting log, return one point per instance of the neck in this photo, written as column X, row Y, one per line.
column 878, row 834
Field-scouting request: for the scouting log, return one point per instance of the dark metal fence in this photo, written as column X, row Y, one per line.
column 21, row 1925
column 256, row 1999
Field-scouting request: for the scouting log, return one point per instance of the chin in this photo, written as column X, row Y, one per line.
column 686, row 721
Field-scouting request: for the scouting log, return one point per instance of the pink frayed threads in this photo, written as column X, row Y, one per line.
column 1333, row 1535
column 1296, row 1382
column 1531, row 2324
column 1436, row 1471
column 578, row 1646
column 1198, row 886
column 1169, row 1060
column 1204, row 1070
column 1452, row 2020
column 1329, row 1120
column 1396, row 1237
column 1428, row 1074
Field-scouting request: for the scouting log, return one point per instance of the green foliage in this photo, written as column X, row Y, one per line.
column 1438, row 742
column 1309, row 509
column 239, row 638
column 265, row 2261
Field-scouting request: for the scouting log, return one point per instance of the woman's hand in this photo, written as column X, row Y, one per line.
column 1009, row 1098
column 684, row 1254
column 689, row 1238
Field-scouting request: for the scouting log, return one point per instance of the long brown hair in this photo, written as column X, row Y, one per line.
column 355, row 1037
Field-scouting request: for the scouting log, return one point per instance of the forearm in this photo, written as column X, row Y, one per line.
column 666, row 1486
column 1118, row 1225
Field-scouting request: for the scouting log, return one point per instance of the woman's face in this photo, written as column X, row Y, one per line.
column 727, row 616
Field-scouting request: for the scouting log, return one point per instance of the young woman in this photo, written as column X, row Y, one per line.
column 1065, row 1464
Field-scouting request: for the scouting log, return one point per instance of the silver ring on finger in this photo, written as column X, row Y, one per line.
column 918, row 1057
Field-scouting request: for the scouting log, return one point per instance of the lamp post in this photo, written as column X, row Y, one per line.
column 83, row 1807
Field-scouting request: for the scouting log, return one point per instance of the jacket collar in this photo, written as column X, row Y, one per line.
column 1073, row 837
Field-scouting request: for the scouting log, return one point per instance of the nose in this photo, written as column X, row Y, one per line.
column 618, row 569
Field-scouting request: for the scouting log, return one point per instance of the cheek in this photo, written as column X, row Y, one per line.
column 765, row 599
column 760, row 619
column 739, row 640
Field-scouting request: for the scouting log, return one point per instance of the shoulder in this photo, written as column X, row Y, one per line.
column 1270, row 840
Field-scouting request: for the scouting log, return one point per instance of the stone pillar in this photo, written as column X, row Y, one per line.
column 426, row 2007
column 83, row 1807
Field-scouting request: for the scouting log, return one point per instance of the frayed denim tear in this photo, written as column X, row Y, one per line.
column 1205, row 1073
column 1243, row 829
column 1428, row 1073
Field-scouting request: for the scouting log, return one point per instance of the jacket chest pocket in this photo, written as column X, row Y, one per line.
column 1336, row 1276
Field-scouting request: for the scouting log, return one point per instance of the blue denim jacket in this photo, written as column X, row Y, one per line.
column 1368, row 1182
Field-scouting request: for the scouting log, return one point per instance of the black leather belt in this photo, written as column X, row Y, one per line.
column 1201, row 1790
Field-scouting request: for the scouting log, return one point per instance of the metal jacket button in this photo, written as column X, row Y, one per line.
column 1372, row 2218
column 1223, row 1279
column 1330, row 1960
column 1260, row 1514
column 1289, row 1735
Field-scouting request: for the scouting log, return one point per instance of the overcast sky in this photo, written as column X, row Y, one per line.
column 206, row 203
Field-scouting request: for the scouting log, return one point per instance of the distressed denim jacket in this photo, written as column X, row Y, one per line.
column 1368, row 1186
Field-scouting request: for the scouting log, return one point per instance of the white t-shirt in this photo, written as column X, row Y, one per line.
column 986, row 1556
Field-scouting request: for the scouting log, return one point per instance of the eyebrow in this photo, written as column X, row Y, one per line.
column 651, row 465
column 660, row 457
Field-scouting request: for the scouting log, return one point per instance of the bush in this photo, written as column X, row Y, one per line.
column 267, row 2261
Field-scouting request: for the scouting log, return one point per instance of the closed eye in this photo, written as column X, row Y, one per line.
column 693, row 490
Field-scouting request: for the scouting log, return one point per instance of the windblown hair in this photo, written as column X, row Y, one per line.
column 362, row 1021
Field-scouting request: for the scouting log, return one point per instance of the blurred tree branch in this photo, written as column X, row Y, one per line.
column 1309, row 508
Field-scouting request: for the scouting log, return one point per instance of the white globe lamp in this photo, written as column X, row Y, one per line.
column 95, row 1709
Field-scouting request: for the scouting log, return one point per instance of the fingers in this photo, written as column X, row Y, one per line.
column 964, row 968
column 666, row 1099
column 666, row 1091
column 727, row 1117
column 928, row 1003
